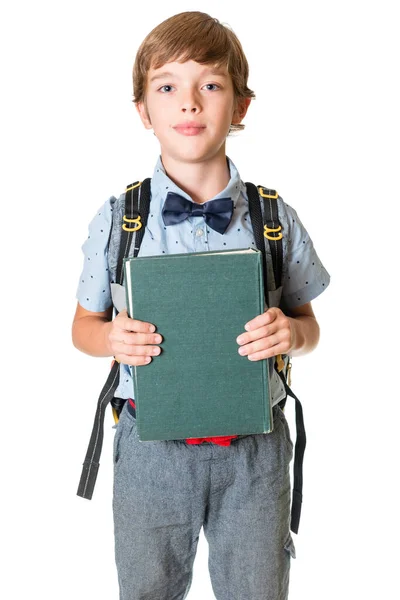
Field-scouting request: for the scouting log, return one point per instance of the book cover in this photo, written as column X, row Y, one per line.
column 199, row 386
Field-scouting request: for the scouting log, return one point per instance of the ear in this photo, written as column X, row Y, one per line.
column 240, row 111
column 144, row 115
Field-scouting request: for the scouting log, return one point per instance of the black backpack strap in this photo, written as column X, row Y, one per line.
column 134, row 221
column 137, row 206
column 299, row 450
column 272, row 230
column 257, row 223
column 91, row 463
column 137, row 198
column 263, row 209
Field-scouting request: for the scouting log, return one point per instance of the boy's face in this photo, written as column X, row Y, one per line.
column 190, row 107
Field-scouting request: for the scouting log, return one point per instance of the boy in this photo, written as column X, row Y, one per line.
column 190, row 87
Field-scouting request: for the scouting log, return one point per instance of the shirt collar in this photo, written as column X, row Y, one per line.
column 161, row 184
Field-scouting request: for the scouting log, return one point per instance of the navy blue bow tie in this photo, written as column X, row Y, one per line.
column 217, row 213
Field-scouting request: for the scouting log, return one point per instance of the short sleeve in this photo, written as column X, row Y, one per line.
column 304, row 275
column 93, row 291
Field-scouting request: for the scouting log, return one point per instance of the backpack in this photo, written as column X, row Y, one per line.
column 263, row 209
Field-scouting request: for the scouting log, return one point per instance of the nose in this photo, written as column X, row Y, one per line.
column 190, row 103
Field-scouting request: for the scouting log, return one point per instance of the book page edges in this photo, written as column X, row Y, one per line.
column 268, row 427
column 206, row 253
column 128, row 287
column 129, row 304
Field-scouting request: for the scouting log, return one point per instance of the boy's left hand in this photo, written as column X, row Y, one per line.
column 267, row 335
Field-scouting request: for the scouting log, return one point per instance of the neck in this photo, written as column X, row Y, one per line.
column 201, row 181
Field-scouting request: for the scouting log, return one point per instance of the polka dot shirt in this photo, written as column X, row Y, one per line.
column 304, row 277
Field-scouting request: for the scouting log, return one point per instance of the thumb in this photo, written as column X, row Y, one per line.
column 273, row 313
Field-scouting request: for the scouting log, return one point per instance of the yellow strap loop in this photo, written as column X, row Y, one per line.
column 272, row 196
column 268, row 230
column 133, row 186
column 137, row 221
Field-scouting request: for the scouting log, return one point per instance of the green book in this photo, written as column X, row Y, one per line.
column 199, row 386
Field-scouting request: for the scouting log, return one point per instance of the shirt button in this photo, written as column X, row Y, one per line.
column 199, row 232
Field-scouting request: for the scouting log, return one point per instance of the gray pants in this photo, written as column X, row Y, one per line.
column 164, row 492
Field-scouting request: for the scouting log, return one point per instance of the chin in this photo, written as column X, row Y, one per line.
column 193, row 155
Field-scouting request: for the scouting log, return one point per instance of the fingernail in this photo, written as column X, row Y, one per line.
column 240, row 340
column 247, row 328
column 152, row 329
column 242, row 351
column 147, row 359
column 158, row 339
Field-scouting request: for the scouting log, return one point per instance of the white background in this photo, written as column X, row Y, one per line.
column 324, row 130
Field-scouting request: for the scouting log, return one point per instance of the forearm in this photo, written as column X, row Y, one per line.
column 90, row 334
column 305, row 334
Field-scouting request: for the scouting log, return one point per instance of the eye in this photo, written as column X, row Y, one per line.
column 165, row 88
column 212, row 87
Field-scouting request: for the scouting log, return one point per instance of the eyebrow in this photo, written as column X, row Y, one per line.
column 161, row 76
column 167, row 74
column 219, row 72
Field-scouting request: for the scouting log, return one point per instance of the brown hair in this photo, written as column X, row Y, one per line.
column 192, row 36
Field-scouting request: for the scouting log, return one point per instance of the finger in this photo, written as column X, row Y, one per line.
column 259, row 345
column 264, row 354
column 261, row 320
column 125, row 322
column 281, row 337
column 267, row 353
column 261, row 332
column 133, row 361
column 139, row 339
column 134, row 350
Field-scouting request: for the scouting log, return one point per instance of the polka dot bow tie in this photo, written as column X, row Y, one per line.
column 217, row 213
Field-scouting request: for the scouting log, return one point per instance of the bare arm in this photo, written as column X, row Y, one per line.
column 132, row 342
column 90, row 331
column 274, row 333
column 305, row 330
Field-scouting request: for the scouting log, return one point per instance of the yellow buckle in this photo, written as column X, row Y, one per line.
column 137, row 221
column 133, row 186
column 280, row 363
column 115, row 415
column 268, row 230
column 273, row 197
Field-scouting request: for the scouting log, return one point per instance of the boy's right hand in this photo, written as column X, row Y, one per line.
column 133, row 342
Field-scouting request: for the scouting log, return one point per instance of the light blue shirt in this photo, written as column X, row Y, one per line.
column 303, row 278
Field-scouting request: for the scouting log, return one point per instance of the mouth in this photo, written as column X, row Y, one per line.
column 189, row 128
